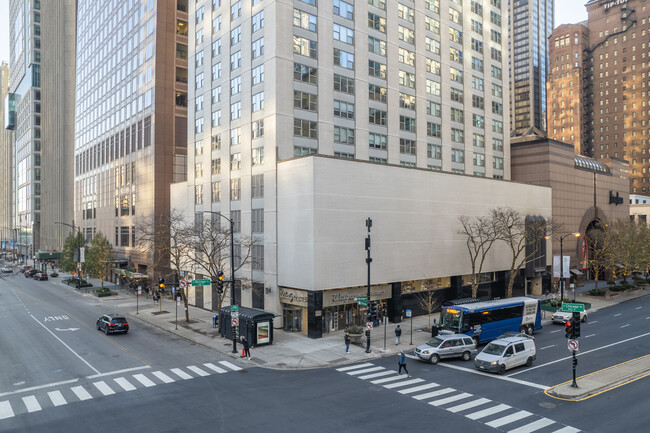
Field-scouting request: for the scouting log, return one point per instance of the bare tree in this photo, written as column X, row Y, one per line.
column 480, row 233
column 517, row 232
column 600, row 244
column 210, row 246
column 428, row 301
column 628, row 247
column 171, row 241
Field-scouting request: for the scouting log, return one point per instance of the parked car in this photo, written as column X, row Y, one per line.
column 505, row 353
column 112, row 323
column 564, row 316
column 447, row 346
column 41, row 276
column 7, row 269
column 30, row 273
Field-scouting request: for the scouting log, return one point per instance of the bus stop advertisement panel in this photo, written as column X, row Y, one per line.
column 254, row 324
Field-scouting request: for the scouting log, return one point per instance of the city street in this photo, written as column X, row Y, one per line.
column 62, row 375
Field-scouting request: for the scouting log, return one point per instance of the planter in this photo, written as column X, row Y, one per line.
column 356, row 338
column 612, row 295
column 102, row 294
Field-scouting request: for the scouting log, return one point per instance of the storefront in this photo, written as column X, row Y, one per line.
column 340, row 310
column 294, row 309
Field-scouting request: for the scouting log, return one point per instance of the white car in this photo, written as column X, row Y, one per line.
column 7, row 270
column 564, row 316
column 505, row 353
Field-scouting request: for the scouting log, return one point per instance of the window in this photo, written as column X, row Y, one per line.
column 257, row 129
column 343, row 135
column 479, row 160
column 198, row 59
column 344, row 84
column 198, row 125
column 405, row 12
column 432, row 45
column 376, row 46
column 407, row 79
column 456, row 75
column 306, row 74
column 433, row 108
column 343, row 9
column 343, row 34
column 257, row 48
column 497, row 90
column 407, row 57
column 235, row 36
column 407, row 123
column 377, row 141
column 257, row 22
column 235, row 161
column 216, row 192
column 305, row 47
column 497, row 163
column 235, row 216
column 432, row 25
column 198, row 194
column 407, row 147
column 497, row 144
column 497, row 126
column 457, row 155
column 495, row 36
column 235, row 85
column 257, row 220
column 304, row 20
column 235, row 110
column 235, row 11
column 216, row 24
column 455, row 16
column 478, row 140
column 457, row 135
column 216, row 71
column 477, row 45
column 216, row 118
column 457, row 115
column 257, row 74
column 305, row 128
column 455, row 36
column 199, row 80
column 235, row 136
column 235, row 189
column 405, row 34
column 344, row 109
column 434, row 151
column 257, row 257
column 496, row 72
column 305, row 101
column 343, row 59
column 257, row 102
column 477, row 83
column 497, row 108
column 478, row 102
column 433, row 66
column 376, row 22
column 257, row 157
column 407, row 101
column 381, row 4
column 432, row 87
column 377, row 117
column 478, row 121
column 456, row 55
column 216, row 142
column 216, row 166
column 235, row 60
column 216, row 48
column 456, row 95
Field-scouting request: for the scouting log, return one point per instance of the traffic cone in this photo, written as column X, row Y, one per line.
column 243, row 352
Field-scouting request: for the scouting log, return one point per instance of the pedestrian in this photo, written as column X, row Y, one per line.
column 247, row 352
column 347, row 342
column 398, row 332
column 402, row 363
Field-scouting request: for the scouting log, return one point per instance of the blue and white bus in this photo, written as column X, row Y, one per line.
column 487, row 320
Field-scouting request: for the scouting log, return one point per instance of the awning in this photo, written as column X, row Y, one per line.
column 47, row 256
column 576, row 272
column 129, row 273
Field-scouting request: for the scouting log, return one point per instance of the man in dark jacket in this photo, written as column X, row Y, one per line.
column 247, row 352
column 398, row 332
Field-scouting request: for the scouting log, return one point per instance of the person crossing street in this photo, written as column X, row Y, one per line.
column 402, row 363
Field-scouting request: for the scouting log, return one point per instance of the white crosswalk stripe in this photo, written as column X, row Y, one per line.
column 381, row 373
column 5, row 410
column 81, row 393
column 387, row 379
column 230, row 365
column 125, row 384
column 162, row 376
column 451, row 399
column 509, row 418
column 144, row 380
column 31, row 403
column 180, row 373
column 365, row 370
column 533, row 426
column 487, row 412
column 198, row 371
column 418, row 388
column 354, row 367
column 215, row 368
column 57, row 398
column 103, row 388
column 469, row 405
column 568, row 429
column 433, row 394
column 398, row 384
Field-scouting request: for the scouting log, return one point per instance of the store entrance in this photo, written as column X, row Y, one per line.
column 292, row 319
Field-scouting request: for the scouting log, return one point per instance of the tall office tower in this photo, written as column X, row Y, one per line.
column 25, row 103
column 568, row 91
column 416, row 84
column 531, row 23
column 131, row 124
column 614, row 86
column 57, row 125
column 7, row 226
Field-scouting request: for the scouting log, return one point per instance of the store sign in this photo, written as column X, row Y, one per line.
column 293, row 297
column 346, row 296
column 612, row 3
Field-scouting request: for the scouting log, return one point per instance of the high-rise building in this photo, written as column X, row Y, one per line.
column 130, row 131
column 531, row 23
column 7, row 227
column 291, row 100
column 603, row 68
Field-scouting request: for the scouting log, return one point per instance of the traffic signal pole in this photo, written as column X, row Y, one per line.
column 575, row 363
column 368, row 260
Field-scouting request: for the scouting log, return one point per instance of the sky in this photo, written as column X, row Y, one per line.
column 566, row 12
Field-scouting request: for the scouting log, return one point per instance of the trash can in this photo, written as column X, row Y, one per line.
column 434, row 330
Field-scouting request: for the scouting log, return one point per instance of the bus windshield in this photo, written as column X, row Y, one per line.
column 450, row 319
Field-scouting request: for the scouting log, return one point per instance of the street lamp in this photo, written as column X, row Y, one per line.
column 575, row 234
column 368, row 260
column 78, row 267
column 232, row 269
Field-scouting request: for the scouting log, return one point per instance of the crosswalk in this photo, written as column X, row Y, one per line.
column 19, row 404
column 492, row 414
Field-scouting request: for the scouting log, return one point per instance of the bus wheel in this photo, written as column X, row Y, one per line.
column 529, row 330
column 476, row 340
column 523, row 329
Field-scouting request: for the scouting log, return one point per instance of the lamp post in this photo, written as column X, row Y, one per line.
column 232, row 269
column 368, row 260
column 574, row 234
column 78, row 230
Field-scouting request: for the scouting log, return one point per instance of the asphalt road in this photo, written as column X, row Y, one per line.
column 59, row 374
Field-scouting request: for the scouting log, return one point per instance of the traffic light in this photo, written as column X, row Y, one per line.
column 576, row 324
column 161, row 284
column 575, row 361
column 568, row 329
column 373, row 310
column 220, row 281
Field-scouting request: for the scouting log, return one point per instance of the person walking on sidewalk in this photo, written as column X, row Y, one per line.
column 402, row 363
column 347, row 342
column 398, row 332
column 247, row 352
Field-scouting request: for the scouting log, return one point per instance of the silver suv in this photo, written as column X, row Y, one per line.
column 447, row 346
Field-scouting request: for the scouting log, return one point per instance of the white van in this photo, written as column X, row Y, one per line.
column 506, row 353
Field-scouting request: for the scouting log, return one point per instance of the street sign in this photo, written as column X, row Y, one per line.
column 200, row 283
column 234, row 308
column 363, row 303
column 369, row 326
column 361, row 298
column 139, row 290
column 573, row 307
column 408, row 313
column 82, row 254
column 573, row 345
column 235, row 321
column 182, row 284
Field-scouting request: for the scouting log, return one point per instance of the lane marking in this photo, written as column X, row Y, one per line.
column 581, row 353
column 398, row 384
column 536, row 425
column 31, row 403
column 469, row 405
column 33, row 388
column 230, row 366
column 547, row 347
column 625, row 326
column 180, row 373
column 365, row 370
column 57, row 398
column 354, row 367
column 381, row 373
column 616, row 315
column 487, row 412
column 590, row 335
column 553, row 332
column 126, row 370
column 125, row 384
column 592, row 321
column 508, row 419
column 81, row 393
column 434, row 394
column 451, row 399
column 198, row 371
column 5, row 410
column 162, row 376
column 215, row 368
column 144, row 380
column 418, row 388
column 103, row 388
column 638, row 308
column 68, row 347
column 493, row 376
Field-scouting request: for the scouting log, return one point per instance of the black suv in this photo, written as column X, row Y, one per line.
column 30, row 273
column 112, row 323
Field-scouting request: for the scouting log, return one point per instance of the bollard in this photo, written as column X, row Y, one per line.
column 214, row 321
